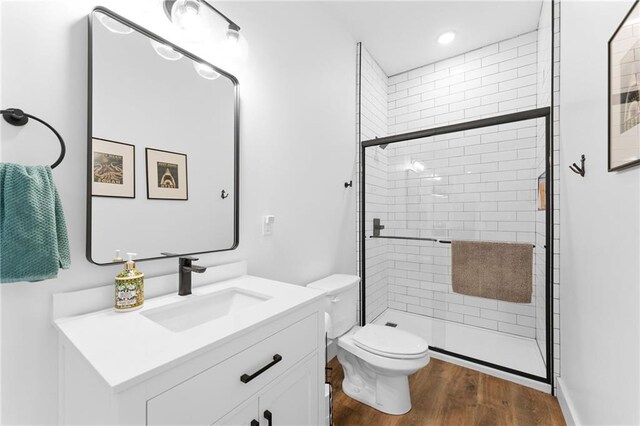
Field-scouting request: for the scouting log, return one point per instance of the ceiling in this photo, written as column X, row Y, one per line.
column 402, row 35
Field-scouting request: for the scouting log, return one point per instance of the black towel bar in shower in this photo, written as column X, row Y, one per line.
column 433, row 240
column 17, row 117
column 404, row 238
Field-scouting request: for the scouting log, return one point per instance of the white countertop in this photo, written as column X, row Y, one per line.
column 127, row 347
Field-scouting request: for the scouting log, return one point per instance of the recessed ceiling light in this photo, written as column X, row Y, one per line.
column 446, row 38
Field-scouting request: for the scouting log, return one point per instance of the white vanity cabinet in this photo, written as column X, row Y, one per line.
column 288, row 401
column 203, row 399
column 268, row 374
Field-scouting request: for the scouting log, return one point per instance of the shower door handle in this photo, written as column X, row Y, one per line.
column 377, row 227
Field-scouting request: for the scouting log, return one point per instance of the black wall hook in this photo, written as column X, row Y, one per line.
column 348, row 184
column 578, row 169
column 224, row 194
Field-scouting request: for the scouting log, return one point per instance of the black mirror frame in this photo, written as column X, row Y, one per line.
column 236, row 126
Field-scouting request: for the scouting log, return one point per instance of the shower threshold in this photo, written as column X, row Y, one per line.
column 503, row 349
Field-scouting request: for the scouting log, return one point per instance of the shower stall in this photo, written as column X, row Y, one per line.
column 460, row 152
column 480, row 180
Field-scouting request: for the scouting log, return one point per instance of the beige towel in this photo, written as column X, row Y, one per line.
column 493, row 270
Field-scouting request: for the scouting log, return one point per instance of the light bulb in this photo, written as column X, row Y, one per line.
column 186, row 15
column 113, row 25
column 205, row 71
column 446, row 38
column 165, row 51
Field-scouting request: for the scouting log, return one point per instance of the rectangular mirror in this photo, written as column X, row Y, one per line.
column 163, row 147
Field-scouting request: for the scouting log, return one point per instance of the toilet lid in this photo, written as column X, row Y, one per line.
column 389, row 341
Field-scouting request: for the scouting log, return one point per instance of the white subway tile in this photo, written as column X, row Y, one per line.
column 466, row 310
column 517, row 330
column 481, row 52
column 481, row 72
column 419, row 72
column 480, row 322
column 499, row 57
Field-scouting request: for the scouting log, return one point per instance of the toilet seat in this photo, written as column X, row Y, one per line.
column 390, row 342
column 393, row 364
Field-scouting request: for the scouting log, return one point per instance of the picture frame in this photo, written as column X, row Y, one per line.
column 167, row 177
column 624, row 93
column 113, row 169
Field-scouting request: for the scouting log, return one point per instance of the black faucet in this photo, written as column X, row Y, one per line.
column 184, row 271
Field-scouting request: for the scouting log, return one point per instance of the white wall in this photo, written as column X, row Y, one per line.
column 297, row 133
column 600, row 231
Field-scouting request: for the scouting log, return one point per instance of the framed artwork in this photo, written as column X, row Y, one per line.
column 114, row 165
column 624, row 92
column 542, row 191
column 166, row 175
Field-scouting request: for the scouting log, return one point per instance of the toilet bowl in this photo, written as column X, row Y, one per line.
column 377, row 360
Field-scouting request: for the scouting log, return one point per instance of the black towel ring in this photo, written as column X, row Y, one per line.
column 17, row 117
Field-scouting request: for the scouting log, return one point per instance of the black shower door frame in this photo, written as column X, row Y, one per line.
column 459, row 127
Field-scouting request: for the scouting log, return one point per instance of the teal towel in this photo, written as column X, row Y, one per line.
column 33, row 233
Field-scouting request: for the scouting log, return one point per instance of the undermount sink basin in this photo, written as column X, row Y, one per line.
column 200, row 309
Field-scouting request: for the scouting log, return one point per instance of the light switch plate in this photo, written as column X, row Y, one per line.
column 267, row 225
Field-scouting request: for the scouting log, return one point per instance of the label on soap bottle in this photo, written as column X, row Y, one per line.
column 129, row 292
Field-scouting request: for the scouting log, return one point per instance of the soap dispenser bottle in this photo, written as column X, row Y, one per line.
column 129, row 287
column 117, row 259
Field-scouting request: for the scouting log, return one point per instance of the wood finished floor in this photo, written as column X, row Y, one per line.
column 447, row 394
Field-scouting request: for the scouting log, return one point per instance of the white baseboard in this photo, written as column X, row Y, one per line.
column 566, row 404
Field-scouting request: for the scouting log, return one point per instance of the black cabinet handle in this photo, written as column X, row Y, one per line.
column 269, row 417
column 246, row 378
column 254, row 422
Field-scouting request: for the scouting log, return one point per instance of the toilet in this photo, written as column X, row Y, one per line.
column 377, row 360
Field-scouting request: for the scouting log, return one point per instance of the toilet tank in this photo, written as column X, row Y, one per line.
column 341, row 302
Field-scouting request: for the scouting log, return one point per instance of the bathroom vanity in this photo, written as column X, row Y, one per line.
column 241, row 350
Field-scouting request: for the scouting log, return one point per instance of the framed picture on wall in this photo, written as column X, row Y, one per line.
column 624, row 92
column 166, row 175
column 114, row 165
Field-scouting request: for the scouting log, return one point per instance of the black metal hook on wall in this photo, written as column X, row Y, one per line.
column 348, row 184
column 224, row 194
column 578, row 169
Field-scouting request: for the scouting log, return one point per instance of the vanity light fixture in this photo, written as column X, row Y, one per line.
column 446, row 38
column 205, row 71
column 233, row 34
column 187, row 15
column 165, row 51
column 113, row 25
